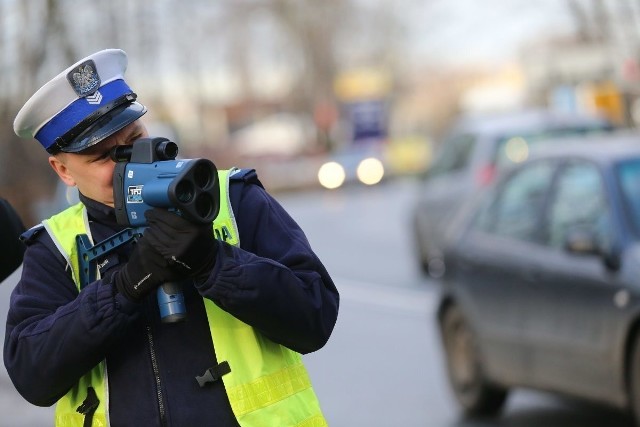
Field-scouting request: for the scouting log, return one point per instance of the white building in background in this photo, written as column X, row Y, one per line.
column 595, row 78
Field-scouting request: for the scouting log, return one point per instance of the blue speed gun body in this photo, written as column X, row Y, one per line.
column 147, row 175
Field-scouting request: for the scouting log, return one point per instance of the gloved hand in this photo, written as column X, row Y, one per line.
column 144, row 272
column 181, row 242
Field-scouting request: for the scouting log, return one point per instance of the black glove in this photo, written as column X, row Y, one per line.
column 181, row 242
column 144, row 272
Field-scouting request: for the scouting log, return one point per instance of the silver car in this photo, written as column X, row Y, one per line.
column 473, row 153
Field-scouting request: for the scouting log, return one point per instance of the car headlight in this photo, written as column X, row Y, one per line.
column 331, row 175
column 370, row 171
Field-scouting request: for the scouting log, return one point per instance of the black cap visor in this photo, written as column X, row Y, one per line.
column 105, row 126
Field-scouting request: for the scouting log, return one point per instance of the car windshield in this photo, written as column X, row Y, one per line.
column 514, row 149
column 454, row 155
column 629, row 178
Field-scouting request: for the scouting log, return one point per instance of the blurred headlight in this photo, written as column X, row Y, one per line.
column 331, row 175
column 517, row 150
column 370, row 171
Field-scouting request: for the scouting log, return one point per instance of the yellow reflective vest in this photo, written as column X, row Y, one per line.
column 267, row 385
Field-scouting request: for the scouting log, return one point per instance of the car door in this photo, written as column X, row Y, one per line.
column 572, row 296
column 492, row 268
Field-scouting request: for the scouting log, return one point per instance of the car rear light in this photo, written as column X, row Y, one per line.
column 486, row 175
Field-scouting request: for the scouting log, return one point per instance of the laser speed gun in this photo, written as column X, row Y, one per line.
column 147, row 175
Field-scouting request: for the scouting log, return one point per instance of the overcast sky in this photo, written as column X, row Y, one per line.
column 462, row 31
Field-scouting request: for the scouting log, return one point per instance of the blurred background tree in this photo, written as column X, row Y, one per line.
column 211, row 72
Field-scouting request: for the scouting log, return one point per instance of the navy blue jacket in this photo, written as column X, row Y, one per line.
column 273, row 282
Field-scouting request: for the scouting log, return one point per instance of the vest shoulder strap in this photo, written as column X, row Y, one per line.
column 34, row 234
column 31, row 234
column 247, row 176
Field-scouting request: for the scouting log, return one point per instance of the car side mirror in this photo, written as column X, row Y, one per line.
column 12, row 249
column 585, row 241
column 582, row 241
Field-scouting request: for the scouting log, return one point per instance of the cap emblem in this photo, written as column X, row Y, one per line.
column 84, row 78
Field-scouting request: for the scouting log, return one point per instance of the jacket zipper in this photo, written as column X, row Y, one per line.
column 156, row 373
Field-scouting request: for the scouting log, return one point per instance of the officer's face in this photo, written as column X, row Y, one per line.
column 92, row 169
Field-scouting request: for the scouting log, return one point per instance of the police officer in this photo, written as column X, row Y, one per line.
column 255, row 300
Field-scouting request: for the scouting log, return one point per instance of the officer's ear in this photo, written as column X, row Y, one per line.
column 58, row 165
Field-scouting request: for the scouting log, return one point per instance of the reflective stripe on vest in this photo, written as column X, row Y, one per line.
column 268, row 384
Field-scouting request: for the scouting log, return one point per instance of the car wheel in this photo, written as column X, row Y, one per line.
column 474, row 393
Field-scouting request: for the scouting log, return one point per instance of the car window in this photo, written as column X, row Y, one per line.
column 629, row 178
column 578, row 201
column 513, row 149
column 455, row 154
column 515, row 209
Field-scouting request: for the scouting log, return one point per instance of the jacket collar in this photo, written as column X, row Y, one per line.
column 100, row 212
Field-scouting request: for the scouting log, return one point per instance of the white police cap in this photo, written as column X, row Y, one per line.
column 82, row 105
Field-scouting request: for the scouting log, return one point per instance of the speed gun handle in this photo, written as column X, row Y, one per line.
column 169, row 295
